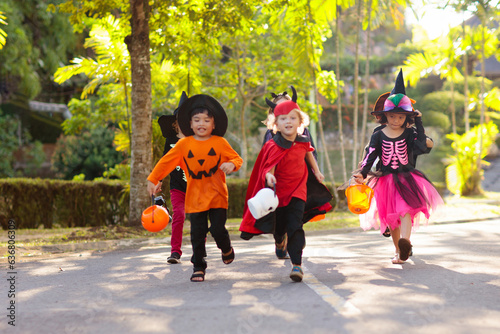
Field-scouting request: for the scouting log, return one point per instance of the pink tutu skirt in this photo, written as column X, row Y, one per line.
column 399, row 194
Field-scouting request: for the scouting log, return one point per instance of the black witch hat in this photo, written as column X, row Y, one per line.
column 166, row 121
column 206, row 102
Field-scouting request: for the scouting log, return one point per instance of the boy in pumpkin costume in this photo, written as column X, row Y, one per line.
column 206, row 157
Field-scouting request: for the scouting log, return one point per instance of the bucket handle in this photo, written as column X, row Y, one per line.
column 153, row 205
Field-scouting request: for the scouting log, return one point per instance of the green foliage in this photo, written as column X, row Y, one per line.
column 37, row 42
column 90, row 153
column 440, row 101
column 437, row 119
column 34, row 203
column 473, row 84
column 462, row 174
column 31, row 153
column 108, row 106
column 10, row 143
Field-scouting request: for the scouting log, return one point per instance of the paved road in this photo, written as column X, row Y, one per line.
column 451, row 285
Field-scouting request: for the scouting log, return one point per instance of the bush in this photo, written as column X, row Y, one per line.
column 440, row 101
column 89, row 153
column 35, row 203
column 31, row 152
column 436, row 119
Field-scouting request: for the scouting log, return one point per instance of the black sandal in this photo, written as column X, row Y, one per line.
column 195, row 275
column 228, row 259
column 387, row 232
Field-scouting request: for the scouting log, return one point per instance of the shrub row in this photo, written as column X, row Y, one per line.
column 35, row 203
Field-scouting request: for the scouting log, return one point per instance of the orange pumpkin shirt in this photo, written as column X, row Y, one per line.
column 200, row 160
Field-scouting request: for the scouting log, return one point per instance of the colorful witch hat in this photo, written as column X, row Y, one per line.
column 166, row 121
column 205, row 102
column 397, row 101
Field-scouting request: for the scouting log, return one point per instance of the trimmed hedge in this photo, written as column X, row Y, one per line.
column 35, row 203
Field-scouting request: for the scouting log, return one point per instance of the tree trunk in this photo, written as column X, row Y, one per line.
column 339, row 97
column 141, row 156
column 356, row 90
column 466, row 85
column 364, row 121
column 244, row 140
column 452, row 107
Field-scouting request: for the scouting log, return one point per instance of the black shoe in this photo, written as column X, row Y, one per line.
column 387, row 232
column 174, row 258
column 405, row 248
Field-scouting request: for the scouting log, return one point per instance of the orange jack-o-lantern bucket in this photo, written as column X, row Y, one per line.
column 155, row 218
column 359, row 197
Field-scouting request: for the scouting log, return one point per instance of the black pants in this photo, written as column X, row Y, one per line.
column 199, row 230
column 289, row 221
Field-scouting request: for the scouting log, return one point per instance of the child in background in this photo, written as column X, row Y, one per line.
column 401, row 191
column 282, row 163
column 170, row 130
column 206, row 157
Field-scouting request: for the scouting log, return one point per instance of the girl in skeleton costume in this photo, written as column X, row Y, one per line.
column 402, row 193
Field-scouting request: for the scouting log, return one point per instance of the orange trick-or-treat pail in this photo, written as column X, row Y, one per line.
column 155, row 218
column 359, row 197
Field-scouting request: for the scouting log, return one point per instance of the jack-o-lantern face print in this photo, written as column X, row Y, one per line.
column 202, row 164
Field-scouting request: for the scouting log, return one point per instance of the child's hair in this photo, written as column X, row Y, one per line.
column 303, row 117
column 200, row 110
column 408, row 121
column 175, row 126
column 270, row 120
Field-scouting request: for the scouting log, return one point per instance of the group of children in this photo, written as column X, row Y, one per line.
column 198, row 158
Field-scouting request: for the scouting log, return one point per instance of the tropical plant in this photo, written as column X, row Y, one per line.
column 439, row 57
column 462, row 175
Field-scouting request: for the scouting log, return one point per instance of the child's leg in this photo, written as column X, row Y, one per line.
column 404, row 243
column 294, row 228
column 406, row 226
column 396, row 235
column 177, row 198
column 199, row 229
column 218, row 229
column 280, row 236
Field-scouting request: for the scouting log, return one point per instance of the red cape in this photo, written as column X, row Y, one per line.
column 318, row 196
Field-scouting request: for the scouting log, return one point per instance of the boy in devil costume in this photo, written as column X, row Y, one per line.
column 282, row 164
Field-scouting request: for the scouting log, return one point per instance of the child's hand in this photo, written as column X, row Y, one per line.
column 270, row 180
column 151, row 188
column 158, row 188
column 227, row 167
column 418, row 113
column 358, row 178
column 320, row 177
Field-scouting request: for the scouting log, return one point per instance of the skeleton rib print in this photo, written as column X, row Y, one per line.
column 394, row 152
